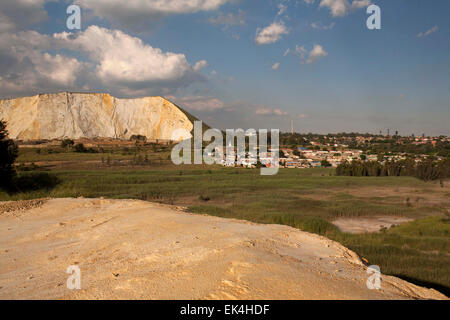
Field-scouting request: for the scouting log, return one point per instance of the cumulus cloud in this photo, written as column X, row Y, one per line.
column 200, row 65
column 92, row 59
column 26, row 66
column 339, row 8
column 57, row 68
column 316, row 53
column 428, row 32
column 266, row 111
column 271, row 33
column 358, row 4
column 312, row 56
column 139, row 63
column 275, row 66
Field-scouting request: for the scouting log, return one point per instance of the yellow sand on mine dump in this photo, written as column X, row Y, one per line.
column 129, row 249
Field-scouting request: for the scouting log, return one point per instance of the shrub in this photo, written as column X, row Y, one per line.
column 80, row 148
column 425, row 170
column 204, row 198
column 31, row 181
column 8, row 154
column 138, row 137
column 67, row 143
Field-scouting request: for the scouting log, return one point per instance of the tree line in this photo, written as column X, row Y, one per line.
column 426, row 170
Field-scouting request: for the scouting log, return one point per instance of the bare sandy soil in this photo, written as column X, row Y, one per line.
column 368, row 224
column 128, row 249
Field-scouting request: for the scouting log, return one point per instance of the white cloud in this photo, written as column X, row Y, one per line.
column 266, row 111
column 340, row 8
column 428, row 32
column 95, row 58
column 25, row 65
column 276, row 66
column 138, row 63
column 316, row 53
column 282, row 8
column 312, row 56
column 200, row 65
column 58, row 69
column 300, row 51
column 358, row 4
column 320, row 26
column 271, row 33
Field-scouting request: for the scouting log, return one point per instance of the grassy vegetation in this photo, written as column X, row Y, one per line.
column 28, row 155
column 308, row 199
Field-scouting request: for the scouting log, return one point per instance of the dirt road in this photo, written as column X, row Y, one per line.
column 128, row 249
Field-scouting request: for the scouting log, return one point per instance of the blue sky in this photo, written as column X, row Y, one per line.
column 243, row 63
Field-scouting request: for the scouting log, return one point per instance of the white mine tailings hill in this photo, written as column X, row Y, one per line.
column 91, row 115
column 127, row 249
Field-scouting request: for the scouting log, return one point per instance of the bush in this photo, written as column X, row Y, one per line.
column 138, row 137
column 31, row 167
column 67, row 143
column 32, row 181
column 425, row 170
column 80, row 148
column 8, row 154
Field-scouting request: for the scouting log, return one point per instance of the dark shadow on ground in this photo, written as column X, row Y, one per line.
column 439, row 287
column 32, row 181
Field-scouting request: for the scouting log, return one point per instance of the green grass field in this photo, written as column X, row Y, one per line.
column 308, row 199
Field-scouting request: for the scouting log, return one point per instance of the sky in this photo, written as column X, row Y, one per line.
column 243, row 63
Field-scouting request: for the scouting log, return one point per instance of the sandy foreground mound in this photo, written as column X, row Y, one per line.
column 128, row 249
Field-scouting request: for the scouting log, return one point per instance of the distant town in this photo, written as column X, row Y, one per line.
column 331, row 150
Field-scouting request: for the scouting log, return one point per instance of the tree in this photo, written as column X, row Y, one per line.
column 80, row 148
column 138, row 138
column 8, row 154
column 67, row 143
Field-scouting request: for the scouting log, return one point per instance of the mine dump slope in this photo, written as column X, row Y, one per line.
column 136, row 249
column 90, row 115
